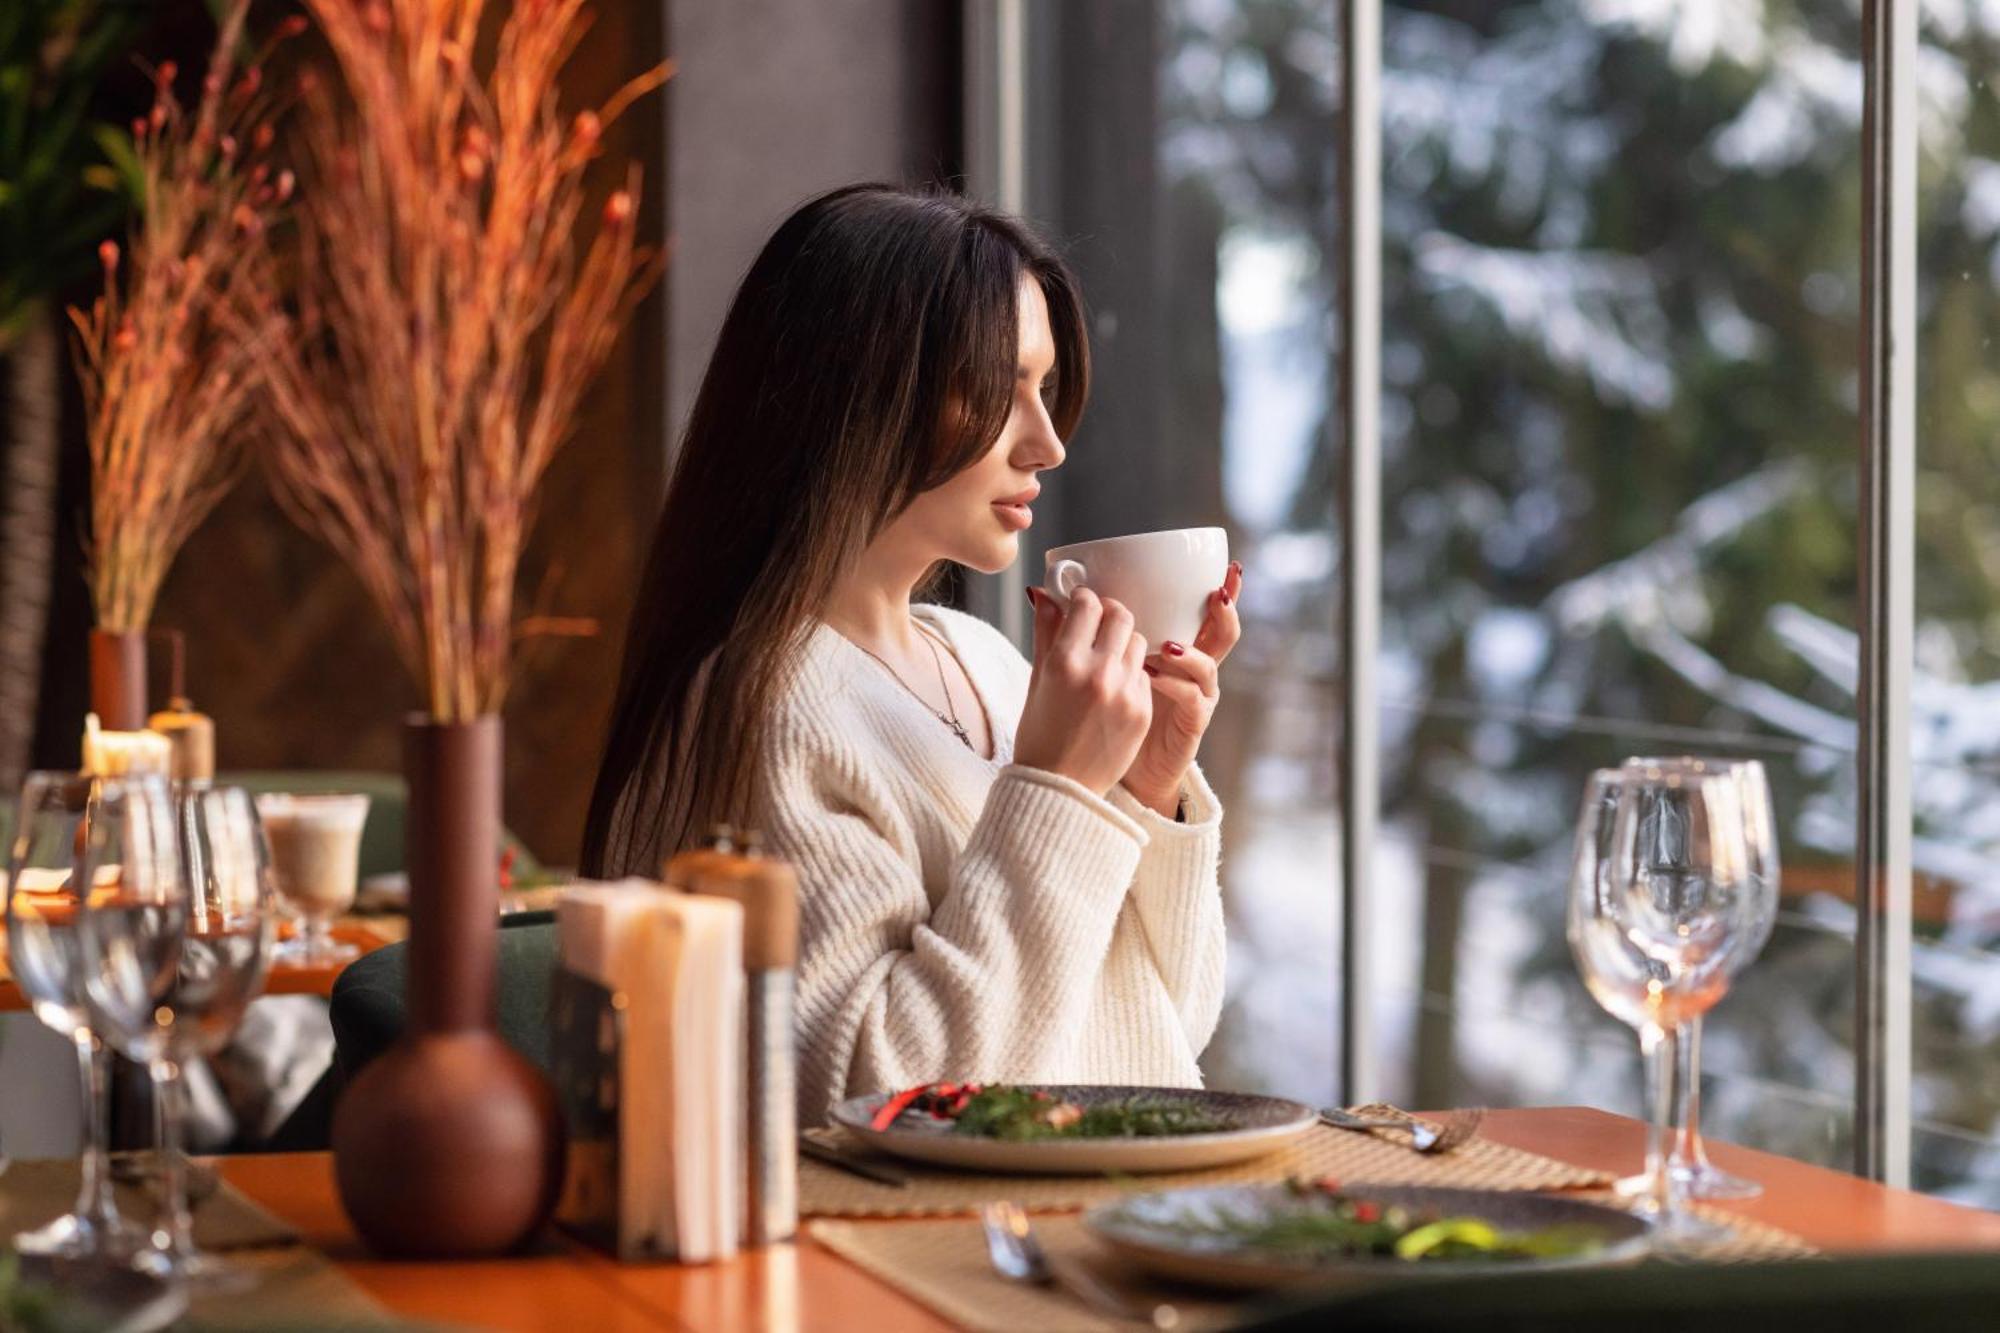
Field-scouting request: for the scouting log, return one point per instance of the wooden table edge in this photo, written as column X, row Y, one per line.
column 281, row 979
column 807, row 1285
column 689, row 1298
column 1833, row 1210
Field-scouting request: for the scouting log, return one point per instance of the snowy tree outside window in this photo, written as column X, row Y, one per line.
column 1620, row 326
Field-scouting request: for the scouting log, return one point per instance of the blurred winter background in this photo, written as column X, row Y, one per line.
column 1620, row 328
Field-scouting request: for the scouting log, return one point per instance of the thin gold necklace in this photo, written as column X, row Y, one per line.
column 950, row 719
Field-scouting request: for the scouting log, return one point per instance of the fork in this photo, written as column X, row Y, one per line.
column 1019, row 1257
column 1458, row 1126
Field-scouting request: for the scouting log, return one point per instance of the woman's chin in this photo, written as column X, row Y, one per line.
column 994, row 556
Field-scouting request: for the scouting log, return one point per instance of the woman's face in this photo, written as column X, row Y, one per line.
column 978, row 516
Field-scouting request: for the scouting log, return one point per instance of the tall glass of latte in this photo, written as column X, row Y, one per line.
column 316, row 859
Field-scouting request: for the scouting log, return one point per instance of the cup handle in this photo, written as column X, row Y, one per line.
column 1065, row 577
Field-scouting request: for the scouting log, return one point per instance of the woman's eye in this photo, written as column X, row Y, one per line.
column 1048, row 391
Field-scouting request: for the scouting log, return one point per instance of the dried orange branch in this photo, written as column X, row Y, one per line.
column 444, row 326
column 167, row 354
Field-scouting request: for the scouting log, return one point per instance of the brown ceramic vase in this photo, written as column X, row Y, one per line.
column 118, row 678
column 449, row 1144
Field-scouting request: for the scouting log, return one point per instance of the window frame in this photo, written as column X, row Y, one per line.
column 1000, row 161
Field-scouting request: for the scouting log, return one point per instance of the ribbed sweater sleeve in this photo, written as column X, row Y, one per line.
column 982, row 982
column 1177, row 893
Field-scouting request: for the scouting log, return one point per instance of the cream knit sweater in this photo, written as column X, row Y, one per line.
column 966, row 918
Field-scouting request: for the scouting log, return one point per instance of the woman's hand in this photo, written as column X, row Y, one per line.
column 1185, row 690
column 1089, row 701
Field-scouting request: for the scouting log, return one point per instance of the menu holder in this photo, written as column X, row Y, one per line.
column 646, row 1017
column 587, row 1025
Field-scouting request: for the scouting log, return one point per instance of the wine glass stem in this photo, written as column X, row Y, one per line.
column 1657, row 1045
column 179, row 1222
column 93, row 1196
column 1687, row 1080
column 318, row 934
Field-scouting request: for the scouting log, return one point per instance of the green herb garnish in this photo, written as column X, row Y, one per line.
column 1024, row 1113
column 1325, row 1223
column 1008, row 1111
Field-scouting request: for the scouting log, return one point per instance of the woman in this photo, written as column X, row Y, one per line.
column 1008, row 872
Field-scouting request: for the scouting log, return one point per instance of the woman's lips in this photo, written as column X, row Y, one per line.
column 1015, row 514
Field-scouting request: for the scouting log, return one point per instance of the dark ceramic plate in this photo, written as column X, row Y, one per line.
column 1178, row 1233
column 1259, row 1125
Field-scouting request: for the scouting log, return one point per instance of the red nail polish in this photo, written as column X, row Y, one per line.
column 1152, row 671
column 1236, row 568
column 1227, row 599
column 1172, row 649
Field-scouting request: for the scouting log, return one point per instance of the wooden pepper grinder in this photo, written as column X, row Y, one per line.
column 715, row 853
column 768, row 891
column 190, row 734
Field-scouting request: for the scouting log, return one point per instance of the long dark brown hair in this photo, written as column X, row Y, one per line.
column 869, row 356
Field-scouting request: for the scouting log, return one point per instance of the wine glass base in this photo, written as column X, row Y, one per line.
column 73, row 1236
column 1705, row 1180
column 196, row 1271
column 300, row 952
column 1676, row 1230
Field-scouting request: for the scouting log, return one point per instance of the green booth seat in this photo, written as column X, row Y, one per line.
column 369, row 1011
column 369, row 998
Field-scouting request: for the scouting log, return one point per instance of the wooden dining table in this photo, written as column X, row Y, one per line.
column 284, row 978
column 807, row 1288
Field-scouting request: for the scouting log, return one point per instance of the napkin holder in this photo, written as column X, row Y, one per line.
column 587, row 1024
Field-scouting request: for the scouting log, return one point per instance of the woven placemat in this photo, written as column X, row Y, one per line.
column 942, row 1265
column 1380, row 1158
column 293, row 1286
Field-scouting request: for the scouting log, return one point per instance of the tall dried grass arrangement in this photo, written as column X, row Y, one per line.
column 167, row 354
column 445, row 325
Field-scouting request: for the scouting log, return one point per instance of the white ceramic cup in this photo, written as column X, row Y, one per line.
column 1163, row 578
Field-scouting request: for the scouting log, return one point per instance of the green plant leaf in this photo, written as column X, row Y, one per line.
column 116, row 145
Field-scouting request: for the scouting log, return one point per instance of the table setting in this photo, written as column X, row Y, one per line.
column 1123, row 1247
column 994, row 1205
column 1672, row 893
column 142, row 920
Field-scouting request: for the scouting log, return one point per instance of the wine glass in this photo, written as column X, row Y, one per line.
column 170, row 965
column 1688, row 1160
column 71, row 837
column 1662, row 905
column 315, row 843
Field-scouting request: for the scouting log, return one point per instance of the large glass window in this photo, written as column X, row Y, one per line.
column 1183, row 153
column 1955, row 730
column 1621, row 300
column 1620, row 312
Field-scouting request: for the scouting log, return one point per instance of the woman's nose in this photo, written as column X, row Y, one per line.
column 1039, row 447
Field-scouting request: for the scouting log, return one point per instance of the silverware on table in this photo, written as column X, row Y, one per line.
column 1019, row 1257
column 882, row 1173
column 1458, row 1126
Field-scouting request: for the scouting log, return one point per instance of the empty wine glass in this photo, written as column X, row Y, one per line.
column 1662, row 903
column 1688, row 1159
column 72, row 837
column 170, row 967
